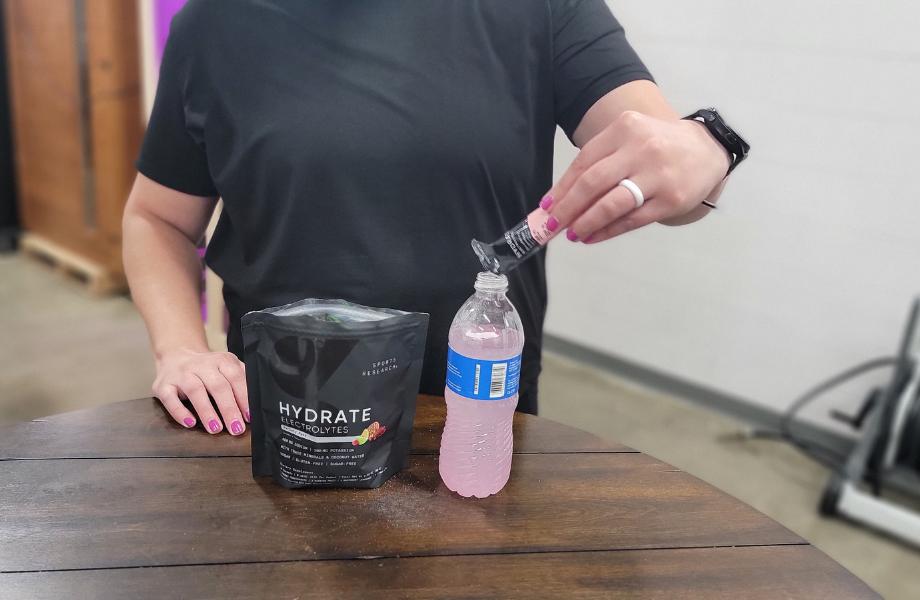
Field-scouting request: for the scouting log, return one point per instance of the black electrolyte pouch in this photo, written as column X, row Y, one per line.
column 332, row 390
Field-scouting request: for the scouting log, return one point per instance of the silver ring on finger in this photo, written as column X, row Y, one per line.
column 634, row 189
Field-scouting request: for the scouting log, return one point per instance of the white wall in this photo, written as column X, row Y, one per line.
column 812, row 264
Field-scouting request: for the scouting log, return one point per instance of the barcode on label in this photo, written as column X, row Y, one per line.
column 497, row 387
column 476, row 380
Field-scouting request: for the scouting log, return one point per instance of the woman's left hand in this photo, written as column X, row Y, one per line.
column 676, row 163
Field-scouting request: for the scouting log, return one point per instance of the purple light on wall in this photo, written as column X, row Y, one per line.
column 163, row 11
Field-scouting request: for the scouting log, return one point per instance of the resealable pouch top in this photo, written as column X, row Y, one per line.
column 332, row 391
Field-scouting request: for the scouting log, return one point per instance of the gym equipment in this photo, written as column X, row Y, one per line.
column 886, row 457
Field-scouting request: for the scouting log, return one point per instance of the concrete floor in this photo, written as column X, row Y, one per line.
column 63, row 350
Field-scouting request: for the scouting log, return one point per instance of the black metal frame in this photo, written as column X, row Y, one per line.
column 9, row 221
column 878, row 459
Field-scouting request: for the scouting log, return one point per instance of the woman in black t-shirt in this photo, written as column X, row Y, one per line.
column 359, row 146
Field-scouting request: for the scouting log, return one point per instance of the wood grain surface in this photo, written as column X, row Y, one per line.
column 759, row 572
column 86, row 498
column 148, row 512
column 138, row 428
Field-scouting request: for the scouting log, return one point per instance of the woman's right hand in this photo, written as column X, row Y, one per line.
column 193, row 375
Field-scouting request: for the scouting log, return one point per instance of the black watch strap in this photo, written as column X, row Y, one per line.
column 733, row 143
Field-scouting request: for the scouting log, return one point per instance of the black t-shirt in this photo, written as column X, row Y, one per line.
column 358, row 146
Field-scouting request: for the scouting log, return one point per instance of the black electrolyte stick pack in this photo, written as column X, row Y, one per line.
column 332, row 391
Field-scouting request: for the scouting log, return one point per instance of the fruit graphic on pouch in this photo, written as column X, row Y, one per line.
column 373, row 431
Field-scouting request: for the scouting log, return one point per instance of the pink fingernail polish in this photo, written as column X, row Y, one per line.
column 552, row 223
column 246, row 416
column 588, row 239
column 236, row 427
column 571, row 235
column 546, row 202
column 213, row 425
column 189, row 422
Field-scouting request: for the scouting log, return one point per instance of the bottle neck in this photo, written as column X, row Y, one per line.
column 490, row 285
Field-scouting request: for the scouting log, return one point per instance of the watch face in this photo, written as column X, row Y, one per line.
column 725, row 135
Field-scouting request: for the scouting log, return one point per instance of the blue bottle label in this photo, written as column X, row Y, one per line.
column 483, row 379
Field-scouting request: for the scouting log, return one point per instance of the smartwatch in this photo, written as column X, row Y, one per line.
column 733, row 143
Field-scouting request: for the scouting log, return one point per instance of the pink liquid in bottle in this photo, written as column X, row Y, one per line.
column 484, row 361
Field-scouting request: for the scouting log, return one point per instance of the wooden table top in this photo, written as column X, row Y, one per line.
column 88, row 497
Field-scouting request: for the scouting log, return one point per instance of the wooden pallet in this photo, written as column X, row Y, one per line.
column 99, row 280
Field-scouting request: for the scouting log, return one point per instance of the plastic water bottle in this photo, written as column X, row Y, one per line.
column 483, row 371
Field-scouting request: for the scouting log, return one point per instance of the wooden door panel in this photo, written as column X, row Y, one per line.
column 77, row 129
column 46, row 112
